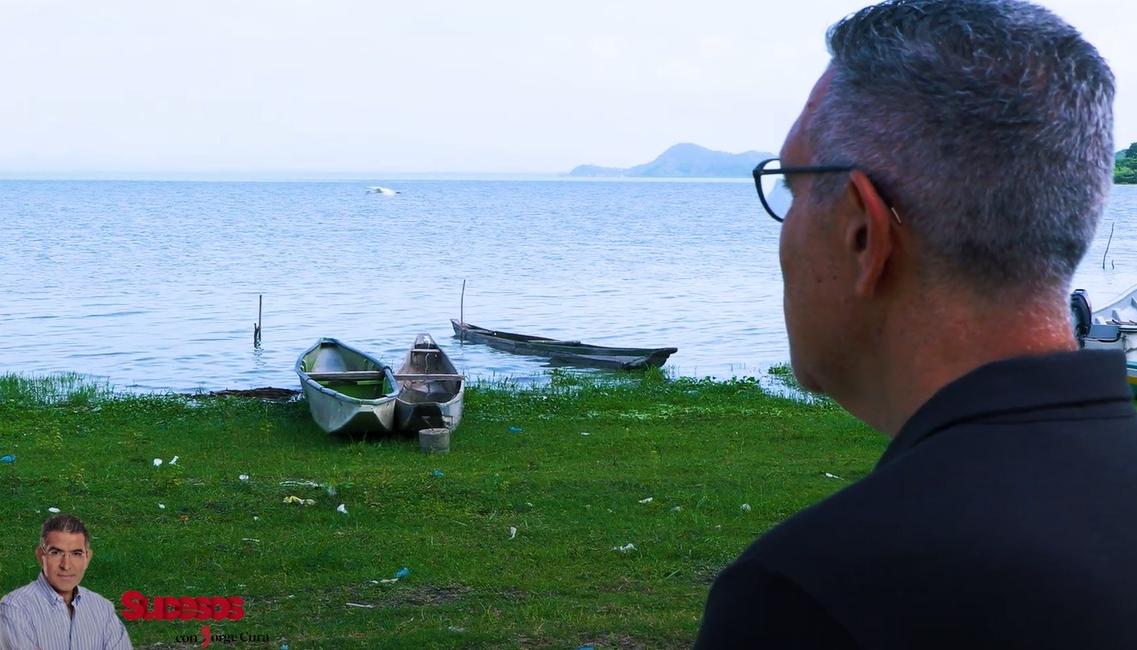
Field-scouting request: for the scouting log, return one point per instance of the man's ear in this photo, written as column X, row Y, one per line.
column 39, row 554
column 869, row 235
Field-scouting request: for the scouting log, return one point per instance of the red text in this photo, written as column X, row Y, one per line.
column 181, row 608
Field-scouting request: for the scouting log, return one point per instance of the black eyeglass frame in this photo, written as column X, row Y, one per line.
column 760, row 171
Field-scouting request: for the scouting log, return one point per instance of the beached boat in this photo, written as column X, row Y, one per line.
column 1113, row 327
column 430, row 389
column 567, row 352
column 348, row 391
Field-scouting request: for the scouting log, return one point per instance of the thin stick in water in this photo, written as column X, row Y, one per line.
column 462, row 310
column 1107, row 244
column 257, row 327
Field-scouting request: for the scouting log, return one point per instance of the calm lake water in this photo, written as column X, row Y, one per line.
column 154, row 285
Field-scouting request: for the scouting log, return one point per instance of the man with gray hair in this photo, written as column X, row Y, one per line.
column 54, row 612
column 936, row 194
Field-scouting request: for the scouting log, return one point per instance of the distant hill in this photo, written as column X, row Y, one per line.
column 684, row 161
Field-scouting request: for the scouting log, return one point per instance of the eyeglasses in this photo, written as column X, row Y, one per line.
column 770, row 181
column 56, row 554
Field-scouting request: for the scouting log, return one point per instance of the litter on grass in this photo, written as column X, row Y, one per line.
column 342, row 508
column 625, row 548
column 515, row 429
column 299, row 483
column 512, row 532
column 647, row 500
column 53, row 510
column 157, row 462
column 174, row 460
column 438, row 473
column 295, row 499
column 834, row 476
column 744, row 507
column 7, row 458
column 161, row 506
column 401, row 573
column 243, row 477
column 361, row 605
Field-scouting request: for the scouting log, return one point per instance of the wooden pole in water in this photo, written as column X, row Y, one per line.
column 257, row 327
column 462, row 309
column 1107, row 244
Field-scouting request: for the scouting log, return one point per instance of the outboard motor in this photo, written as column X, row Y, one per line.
column 1086, row 332
column 1081, row 315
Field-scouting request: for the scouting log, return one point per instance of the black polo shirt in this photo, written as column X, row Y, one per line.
column 1003, row 515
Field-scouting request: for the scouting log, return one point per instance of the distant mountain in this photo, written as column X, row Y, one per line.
column 685, row 161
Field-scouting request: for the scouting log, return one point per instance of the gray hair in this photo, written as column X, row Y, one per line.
column 63, row 523
column 987, row 124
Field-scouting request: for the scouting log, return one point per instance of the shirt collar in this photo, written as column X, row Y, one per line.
column 51, row 594
column 1013, row 385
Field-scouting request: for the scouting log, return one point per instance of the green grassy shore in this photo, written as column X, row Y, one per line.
column 688, row 472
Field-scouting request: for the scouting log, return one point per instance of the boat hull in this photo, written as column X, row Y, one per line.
column 340, row 403
column 431, row 390
column 565, row 352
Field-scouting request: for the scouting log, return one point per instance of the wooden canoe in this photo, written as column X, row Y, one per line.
column 348, row 391
column 430, row 389
column 568, row 352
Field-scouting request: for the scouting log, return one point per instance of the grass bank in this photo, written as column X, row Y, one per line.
column 509, row 540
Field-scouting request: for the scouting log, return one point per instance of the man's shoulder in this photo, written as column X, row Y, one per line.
column 21, row 595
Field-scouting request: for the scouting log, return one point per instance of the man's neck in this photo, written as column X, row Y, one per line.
column 927, row 348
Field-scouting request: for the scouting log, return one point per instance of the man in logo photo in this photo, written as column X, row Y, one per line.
column 54, row 612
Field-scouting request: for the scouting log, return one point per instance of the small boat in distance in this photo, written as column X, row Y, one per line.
column 430, row 389
column 385, row 191
column 348, row 391
column 567, row 352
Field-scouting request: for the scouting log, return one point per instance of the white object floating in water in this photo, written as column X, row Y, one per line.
column 53, row 510
column 174, row 460
column 512, row 532
column 379, row 189
column 744, row 507
column 625, row 548
column 243, row 477
column 647, row 500
column 157, row 462
column 342, row 508
column 834, row 476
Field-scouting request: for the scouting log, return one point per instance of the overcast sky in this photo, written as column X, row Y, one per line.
column 422, row 85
